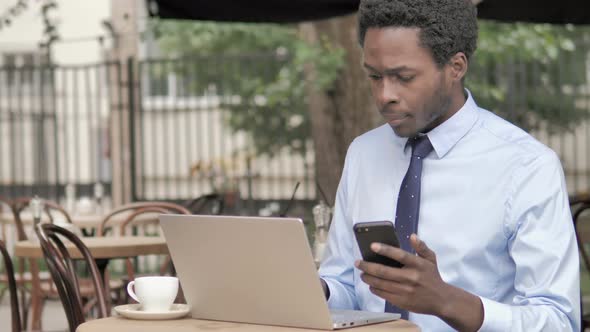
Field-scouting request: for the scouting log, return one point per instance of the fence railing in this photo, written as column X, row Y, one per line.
column 63, row 135
column 60, row 125
column 548, row 97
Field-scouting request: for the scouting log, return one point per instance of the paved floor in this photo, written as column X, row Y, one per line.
column 54, row 318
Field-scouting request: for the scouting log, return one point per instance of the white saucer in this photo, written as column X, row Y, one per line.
column 134, row 311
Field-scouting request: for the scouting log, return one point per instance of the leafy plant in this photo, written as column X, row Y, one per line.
column 531, row 74
column 259, row 73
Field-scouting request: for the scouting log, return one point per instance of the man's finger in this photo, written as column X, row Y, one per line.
column 389, row 286
column 397, row 254
column 384, row 272
column 422, row 249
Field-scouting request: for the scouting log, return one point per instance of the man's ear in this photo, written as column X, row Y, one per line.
column 457, row 67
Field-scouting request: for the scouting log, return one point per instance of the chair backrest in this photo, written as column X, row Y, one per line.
column 50, row 208
column 206, row 204
column 63, row 272
column 582, row 236
column 132, row 211
column 5, row 203
column 15, row 312
column 5, row 207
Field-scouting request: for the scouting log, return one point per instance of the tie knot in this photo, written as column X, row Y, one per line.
column 421, row 146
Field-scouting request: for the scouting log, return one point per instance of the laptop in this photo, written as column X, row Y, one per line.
column 253, row 270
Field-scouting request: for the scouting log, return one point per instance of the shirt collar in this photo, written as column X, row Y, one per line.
column 448, row 133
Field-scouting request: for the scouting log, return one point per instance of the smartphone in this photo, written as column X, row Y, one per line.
column 376, row 231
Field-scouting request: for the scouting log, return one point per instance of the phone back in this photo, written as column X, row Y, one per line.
column 377, row 231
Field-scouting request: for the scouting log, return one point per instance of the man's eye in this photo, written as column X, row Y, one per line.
column 405, row 78
column 374, row 77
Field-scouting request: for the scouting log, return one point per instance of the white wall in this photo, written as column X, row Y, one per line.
column 79, row 23
column 77, row 19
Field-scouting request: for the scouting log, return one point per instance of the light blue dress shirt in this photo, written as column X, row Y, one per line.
column 494, row 209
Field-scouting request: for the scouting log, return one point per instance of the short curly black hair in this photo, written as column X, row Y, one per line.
column 446, row 26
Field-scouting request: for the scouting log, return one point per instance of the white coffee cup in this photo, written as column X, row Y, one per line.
column 156, row 294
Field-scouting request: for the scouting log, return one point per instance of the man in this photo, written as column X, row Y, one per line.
column 494, row 248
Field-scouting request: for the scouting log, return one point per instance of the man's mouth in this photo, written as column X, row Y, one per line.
column 394, row 119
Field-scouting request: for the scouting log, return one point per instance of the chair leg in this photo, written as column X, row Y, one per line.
column 37, row 313
column 24, row 307
column 2, row 292
column 89, row 307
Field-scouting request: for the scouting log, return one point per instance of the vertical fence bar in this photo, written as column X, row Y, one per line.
column 574, row 143
column 190, row 94
column 23, row 143
column 198, row 114
column 76, row 129
column 3, row 183
column 560, row 97
column 162, row 114
column 90, row 129
column 132, row 139
column 587, row 104
column 176, row 156
column 65, row 144
column 15, row 191
column 38, row 138
column 208, row 122
column 55, row 129
column 140, row 110
column 120, row 109
column 98, row 120
column 107, row 140
column 154, row 169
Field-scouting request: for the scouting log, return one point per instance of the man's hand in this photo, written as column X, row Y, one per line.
column 418, row 286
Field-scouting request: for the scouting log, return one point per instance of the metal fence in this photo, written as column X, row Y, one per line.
column 63, row 129
column 53, row 130
column 549, row 98
column 187, row 146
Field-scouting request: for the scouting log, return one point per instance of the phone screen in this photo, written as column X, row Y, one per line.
column 376, row 231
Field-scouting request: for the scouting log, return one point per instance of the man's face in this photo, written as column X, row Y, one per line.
column 411, row 92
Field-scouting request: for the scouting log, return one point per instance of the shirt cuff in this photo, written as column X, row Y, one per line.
column 336, row 300
column 497, row 316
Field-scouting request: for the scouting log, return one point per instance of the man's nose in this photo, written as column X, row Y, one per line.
column 388, row 93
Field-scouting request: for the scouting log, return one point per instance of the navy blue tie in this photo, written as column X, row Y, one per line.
column 408, row 202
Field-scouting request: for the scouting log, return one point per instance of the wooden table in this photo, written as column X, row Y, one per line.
column 119, row 324
column 101, row 248
column 84, row 221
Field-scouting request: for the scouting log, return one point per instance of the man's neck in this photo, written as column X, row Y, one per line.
column 458, row 99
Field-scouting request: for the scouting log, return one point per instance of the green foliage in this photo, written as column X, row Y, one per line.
column 531, row 73
column 528, row 73
column 259, row 72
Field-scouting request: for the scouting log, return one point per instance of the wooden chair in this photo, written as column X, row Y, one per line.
column 5, row 208
column 130, row 214
column 46, row 290
column 128, row 211
column 583, row 238
column 25, row 278
column 11, row 283
column 5, row 205
column 51, row 211
column 206, row 204
column 62, row 269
